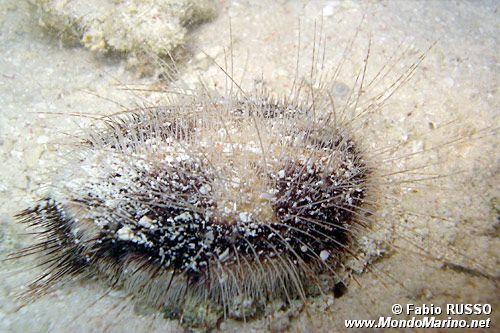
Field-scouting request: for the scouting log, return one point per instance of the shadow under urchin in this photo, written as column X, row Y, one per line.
column 213, row 203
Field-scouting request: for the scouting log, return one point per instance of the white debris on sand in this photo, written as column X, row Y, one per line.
column 140, row 29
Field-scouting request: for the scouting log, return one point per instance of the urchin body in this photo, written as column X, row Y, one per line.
column 219, row 201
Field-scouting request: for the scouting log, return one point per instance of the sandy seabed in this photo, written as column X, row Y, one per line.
column 44, row 84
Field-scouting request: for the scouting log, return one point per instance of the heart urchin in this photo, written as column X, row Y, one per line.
column 220, row 203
